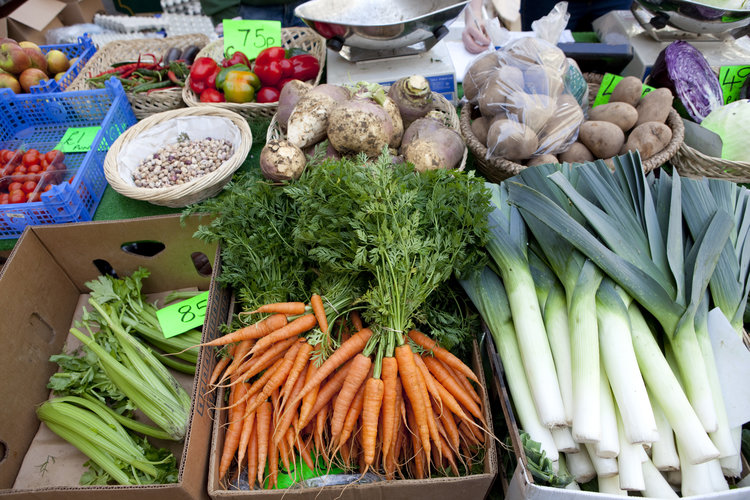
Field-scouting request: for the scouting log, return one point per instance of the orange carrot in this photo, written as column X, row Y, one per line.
column 287, row 417
column 221, row 365
column 417, row 448
column 273, row 463
column 346, row 351
column 285, row 308
column 304, row 450
column 446, row 380
column 240, row 350
column 247, row 428
column 300, row 364
column 328, row 391
column 389, row 375
column 451, row 429
column 263, row 424
column 429, row 379
column 257, row 385
column 252, row 457
column 463, row 382
column 373, row 395
column 442, row 354
column 278, row 377
column 254, row 331
column 409, row 374
column 352, row 415
column 431, row 424
column 357, row 374
column 316, row 302
column 308, row 401
column 320, row 422
column 232, row 435
column 255, row 365
column 296, row 327
column 356, row 320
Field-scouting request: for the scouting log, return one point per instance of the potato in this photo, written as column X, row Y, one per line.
column 510, row 76
column 533, row 110
column 511, row 140
column 628, row 90
column 648, row 138
column 492, row 96
column 542, row 80
column 480, row 127
column 477, row 74
column 604, row 139
column 541, row 160
column 576, row 153
column 621, row 114
column 654, row 106
column 534, row 50
column 562, row 127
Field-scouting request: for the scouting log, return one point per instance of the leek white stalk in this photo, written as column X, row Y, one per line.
column 629, row 461
column 655, row 484
column 718, row 480
column 696, row 478
column 584, row 355
column 563, row 439
column 604, row 467
column 610, row 485
column 663, row 450
column 732, row 466
column 608, row 445
column 556, row 324
column 580, row 465
column 621, row 366
column 562, row 467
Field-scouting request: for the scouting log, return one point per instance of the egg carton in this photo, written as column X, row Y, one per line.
column 129, row 24
column 188, row 7
column 183, row 24
column 102, row 39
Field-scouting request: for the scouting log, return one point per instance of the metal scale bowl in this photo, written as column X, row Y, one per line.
column 686, row 19
column 376, row 29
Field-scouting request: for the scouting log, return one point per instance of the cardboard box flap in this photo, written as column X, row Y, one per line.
column 37, row 14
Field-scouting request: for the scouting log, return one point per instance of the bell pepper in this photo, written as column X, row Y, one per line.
column 238, row 86
column 221, row 77
column 200, row 71
column 236, row 58
column 212, row 95
column 270, row 73
column 304, row 67
column 268, row 94
column 270, row 54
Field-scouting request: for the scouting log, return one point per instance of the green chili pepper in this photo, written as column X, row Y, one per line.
column 151, row 85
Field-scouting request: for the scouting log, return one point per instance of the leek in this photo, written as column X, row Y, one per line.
column 580, row 466
column 655, row 486
column 608, row 445
column 629, row 460
column 663, row 450
column 604, row 467
column 610, row 485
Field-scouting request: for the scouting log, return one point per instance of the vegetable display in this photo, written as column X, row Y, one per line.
column 624, row 267
column 26, row 174
column 150, row 73
column 23, row 65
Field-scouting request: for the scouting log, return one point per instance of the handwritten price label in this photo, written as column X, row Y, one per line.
column 250, row 36
column 77, row 139
column 183, row 316
column 732, row 78
column 609, row 82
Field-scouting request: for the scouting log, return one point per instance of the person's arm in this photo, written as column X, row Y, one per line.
column 474, row 36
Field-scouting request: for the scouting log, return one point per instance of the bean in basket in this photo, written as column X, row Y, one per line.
column 182, row 162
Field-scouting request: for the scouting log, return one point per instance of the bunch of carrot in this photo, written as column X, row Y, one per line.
column 395, row 411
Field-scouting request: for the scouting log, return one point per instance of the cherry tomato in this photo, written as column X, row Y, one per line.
column 20, row 170
column 6, row 155
column 4, row 198
column 53, row 154
column 44, row 165
column 28, row 187
column 15, row 186
column 17, row 197
column 35, row 169
column 46, row 188
column 33, row 197
column 31, row 157
column 267, row 94
column 270, row 54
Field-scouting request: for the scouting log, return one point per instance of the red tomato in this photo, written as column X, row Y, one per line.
column 267, row 94
column 17, row 197
column 35, row 169
column 28, row 187
column 4, row 198
column 6, row 155
column 32, row 197
column 46, row 188
column 19, row 170
column 53, row 154
column 31, row 157
column 44, row 165
column 14, row 186
column 270, row 54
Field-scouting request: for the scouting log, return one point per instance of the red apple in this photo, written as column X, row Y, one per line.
column 37, row 58
column 8, row 81
column 57, row 61
column 30, row 45
column 31, row 77
column 13, row 59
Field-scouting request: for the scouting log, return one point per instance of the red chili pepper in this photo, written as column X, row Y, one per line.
column 270, row 54
column 269, row 74
column 305, row 67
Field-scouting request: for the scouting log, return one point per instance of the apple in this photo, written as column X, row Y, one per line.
column 57, row 61
column 13, row 59
column 30, row 45
column 59, row 76
column 8, row 81
column 37, row 58
column 31, row 77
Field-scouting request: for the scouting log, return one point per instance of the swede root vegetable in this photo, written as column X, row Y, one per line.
column 397, row 124
column 360, row 124
column 281, row 160
column 308, row 122
column 441, row 148
column 419, row 127
column 288, row 99
column 412, row 96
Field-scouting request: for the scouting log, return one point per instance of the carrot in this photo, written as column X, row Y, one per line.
column 463, row 382
column 431, row 424
column 288, row 416
column 284, row 452
column 446, row 380
column 417, row 448
column 300, row 364
column 428, row 379
column 255, row 365
column 264, row 430
column 278, row 378
column 220, row 365
column 232, row 435
column 257, row 385
column 285, row 308
column 247, row 428
column 320, row 421
column 254, row 331
column 373, row 395
column 304, row 450
column 240, row 350
column 442, row 354
column 352, row 415
column 451, row 429
column 345, row 351
column 308, row 401
column 328, row 391
column 410, row 373
column 316, row 302
column 356, row 320
column 273, row 463
column 389, row 375
column 360, row 367
column 252, row 457
column 448, row 455
column 296, row 327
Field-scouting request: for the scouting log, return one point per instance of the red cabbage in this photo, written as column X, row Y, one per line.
column 681, row 68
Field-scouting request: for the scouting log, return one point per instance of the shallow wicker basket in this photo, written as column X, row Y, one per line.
column 690, row 162
column 439, row 104
column 190, row 192
column 144, row 104
column 499, row 169
column 301, row 38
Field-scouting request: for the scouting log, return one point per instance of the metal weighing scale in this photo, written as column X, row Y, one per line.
column 651, row 25
column 382, row 40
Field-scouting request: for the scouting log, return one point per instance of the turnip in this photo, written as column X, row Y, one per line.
column 361, row 123
column 413, row 97
column 309, row 120
column 281, row 160
column 288, row 99
column 421, row 127
column 440, row 148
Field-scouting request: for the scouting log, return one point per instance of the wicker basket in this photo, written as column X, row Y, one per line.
column 690, row 162
column 440, row 104
column 499, row 169
column 128, row 50
column 190, row 192
column 302, row 38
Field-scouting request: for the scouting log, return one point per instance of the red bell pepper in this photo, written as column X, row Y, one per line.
column 236, row 58
column 202, row 69
column 270, row 54
column 212, row 95
column 304, row 67
column 270, row 74
column 267, row 94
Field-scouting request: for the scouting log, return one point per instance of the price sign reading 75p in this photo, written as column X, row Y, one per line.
column 183, row 316
column 250, row 36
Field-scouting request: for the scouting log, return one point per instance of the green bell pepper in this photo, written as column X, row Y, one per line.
column 239, row 86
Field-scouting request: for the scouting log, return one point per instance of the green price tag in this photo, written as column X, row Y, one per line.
column 250, row 36
column 609, row 82
column 77, row 139
column 732, row 78
column 183, row 316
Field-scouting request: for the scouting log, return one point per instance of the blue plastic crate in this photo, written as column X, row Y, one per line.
column 39, row 121
column 83, row 50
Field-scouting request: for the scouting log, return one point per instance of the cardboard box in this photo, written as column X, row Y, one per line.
column 33, row 18
column 3, row 27
column 473, row 487
column 80, row 11
column 40, row 286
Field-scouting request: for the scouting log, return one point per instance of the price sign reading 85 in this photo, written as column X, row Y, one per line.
column 183, row 316
column 250, row 36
